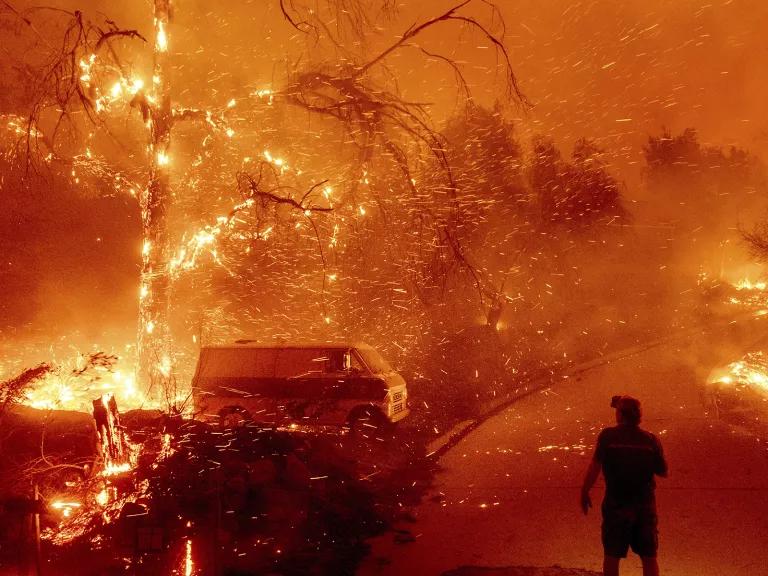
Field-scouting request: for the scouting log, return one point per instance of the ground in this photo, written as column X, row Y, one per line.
column 519, row 571
column 507, row 495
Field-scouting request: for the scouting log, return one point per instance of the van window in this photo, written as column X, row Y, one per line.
column 237, row 363
column 301, row 362
column 376, row 364
column 354, row 363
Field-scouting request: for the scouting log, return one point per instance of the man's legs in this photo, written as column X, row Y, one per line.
column 650, row 566
column 611, row 566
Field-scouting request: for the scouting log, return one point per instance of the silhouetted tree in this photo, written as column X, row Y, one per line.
column 576, row 194
column 706, row 193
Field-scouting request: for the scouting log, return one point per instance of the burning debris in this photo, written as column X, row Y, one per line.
column 739, row 391
column 112, row 444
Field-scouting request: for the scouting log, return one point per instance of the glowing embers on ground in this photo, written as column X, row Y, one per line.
column 94, row 502
column 751, row 294
column 751, row 370
column 578, row 448
column 101, row 498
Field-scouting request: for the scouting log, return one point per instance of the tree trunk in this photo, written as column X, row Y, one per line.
column 154, row 341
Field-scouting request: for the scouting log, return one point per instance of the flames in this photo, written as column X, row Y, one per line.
column 747, row 284
column 99, row 499
column 189, row 565
column 76, row 381
column 750, row 294
column 751, row 370
column 65, row 508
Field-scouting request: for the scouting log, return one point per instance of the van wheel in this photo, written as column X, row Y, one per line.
column 367, row 423
column 233, row 417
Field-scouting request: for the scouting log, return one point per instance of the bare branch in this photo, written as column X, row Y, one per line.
column 412, row 32
column 255, row 191
column 295, row 23
column 460, row 80
column 452, row 15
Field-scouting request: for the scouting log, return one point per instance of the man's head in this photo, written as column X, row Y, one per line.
column 627, row 410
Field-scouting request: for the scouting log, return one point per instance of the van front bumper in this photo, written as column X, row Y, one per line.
column 399, row 415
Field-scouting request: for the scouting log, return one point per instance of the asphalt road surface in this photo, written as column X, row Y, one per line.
column 507, row 495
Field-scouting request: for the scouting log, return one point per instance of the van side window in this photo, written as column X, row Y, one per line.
column 341, row 360
column 301, row 362
column 335, row 361
column 354, row 363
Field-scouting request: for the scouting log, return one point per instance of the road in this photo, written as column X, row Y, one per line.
column 507, row 494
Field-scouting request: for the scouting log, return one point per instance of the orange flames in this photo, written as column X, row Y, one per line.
column 72, row 387
column 751, row 370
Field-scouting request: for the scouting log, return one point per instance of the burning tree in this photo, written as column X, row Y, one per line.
column 93, row 117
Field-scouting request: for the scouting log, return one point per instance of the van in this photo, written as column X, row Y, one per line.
column 279, row 384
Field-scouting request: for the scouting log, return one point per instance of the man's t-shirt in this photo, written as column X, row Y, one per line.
column 629, row 457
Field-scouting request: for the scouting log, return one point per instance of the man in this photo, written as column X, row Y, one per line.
column 629, row 458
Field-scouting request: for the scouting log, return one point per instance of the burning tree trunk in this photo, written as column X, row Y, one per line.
column 111, row 441
column 154, row 333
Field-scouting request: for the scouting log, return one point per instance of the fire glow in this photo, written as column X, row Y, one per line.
column 751, row 370
column 747, row 284
column 74, row 388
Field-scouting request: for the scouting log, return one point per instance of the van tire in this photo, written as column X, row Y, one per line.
column 367, row 422
column 233, row 417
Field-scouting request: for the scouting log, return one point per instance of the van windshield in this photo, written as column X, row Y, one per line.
column 376, row 364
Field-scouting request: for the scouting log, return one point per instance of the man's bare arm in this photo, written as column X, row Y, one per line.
column 589, row 480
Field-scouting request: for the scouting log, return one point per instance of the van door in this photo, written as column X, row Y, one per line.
column 340, row 396
column 236, row 378
column 299, row 371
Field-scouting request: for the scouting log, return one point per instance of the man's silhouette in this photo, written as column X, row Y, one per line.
column 629, row 458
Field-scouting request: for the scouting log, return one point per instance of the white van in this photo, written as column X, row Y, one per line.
column 282, row 384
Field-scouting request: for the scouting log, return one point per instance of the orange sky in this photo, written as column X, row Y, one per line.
column 612, row 70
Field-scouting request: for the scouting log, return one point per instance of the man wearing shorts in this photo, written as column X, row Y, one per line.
column 629, row 458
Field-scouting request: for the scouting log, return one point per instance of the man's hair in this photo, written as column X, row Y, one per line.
column 629, row 409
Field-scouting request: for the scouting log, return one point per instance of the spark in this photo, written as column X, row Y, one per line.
column 265, row 93
column 65, row 507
